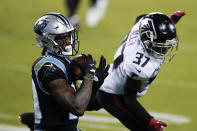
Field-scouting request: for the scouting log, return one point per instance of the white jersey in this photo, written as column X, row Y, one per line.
column 136, row 64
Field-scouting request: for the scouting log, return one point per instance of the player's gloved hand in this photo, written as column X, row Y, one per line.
column 175, row 16
column 101, row 73
column 89, row 64
column 157, row 124
column 85, row 63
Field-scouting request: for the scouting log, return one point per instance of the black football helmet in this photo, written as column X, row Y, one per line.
column 158, row 35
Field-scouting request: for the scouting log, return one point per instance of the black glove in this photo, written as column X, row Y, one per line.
column 85, row 63
column 101, row 73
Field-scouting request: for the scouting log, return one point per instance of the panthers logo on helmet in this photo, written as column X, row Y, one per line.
column 40, row 26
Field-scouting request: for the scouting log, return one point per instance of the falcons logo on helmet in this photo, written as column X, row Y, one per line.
column 39, row 26
column 148, row 28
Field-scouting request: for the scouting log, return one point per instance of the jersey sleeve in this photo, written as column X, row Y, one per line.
column 127, row 64
column 50, row 72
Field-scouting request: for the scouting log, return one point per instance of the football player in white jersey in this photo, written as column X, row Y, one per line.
column 151, row 42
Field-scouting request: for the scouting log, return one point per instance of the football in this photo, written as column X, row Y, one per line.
column 79, row 65
column 79, row 59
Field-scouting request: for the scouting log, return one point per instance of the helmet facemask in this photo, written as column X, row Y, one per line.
column 68, row 43
column 166, row 50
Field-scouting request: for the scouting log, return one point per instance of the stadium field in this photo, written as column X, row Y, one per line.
column 170, row 98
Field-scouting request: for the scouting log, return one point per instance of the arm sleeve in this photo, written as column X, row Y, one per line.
column 133, row 105
column 50, row 72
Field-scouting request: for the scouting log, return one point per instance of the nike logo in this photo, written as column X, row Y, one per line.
column 138, row 70
column 49, row 65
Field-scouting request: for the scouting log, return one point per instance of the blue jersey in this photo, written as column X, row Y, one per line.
column 48, row 113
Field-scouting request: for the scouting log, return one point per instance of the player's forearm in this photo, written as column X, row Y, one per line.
column 136, row 108
column 131, row 88
column 64, row 94
column 83, row 95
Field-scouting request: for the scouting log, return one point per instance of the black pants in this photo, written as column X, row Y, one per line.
column 114, row 104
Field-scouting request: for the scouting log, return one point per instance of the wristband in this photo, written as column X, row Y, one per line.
column 88, row 78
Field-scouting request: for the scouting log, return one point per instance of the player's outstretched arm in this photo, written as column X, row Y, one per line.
column 139, row 112
column 131, row 88
column 176, row 16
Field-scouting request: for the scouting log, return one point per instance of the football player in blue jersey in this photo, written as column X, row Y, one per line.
column 58, row 102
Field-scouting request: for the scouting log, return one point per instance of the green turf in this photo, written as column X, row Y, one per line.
column 174, row 90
